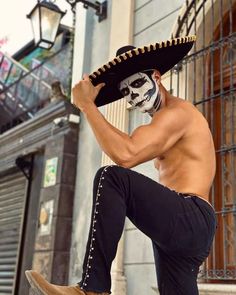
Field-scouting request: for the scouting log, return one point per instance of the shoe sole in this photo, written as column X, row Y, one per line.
column 33, row 283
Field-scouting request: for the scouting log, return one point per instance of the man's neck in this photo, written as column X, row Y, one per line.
column 164, row 97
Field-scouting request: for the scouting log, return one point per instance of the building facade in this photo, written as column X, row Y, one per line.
column 38, row 152
column 48, row 160
column 206, row 78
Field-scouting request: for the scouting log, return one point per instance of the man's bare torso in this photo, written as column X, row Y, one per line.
column 189, row 166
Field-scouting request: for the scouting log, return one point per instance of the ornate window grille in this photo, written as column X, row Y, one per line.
column 207, row 77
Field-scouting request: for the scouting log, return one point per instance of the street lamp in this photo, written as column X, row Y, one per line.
column 45, row 19
column 46, row 16
column 101, row 8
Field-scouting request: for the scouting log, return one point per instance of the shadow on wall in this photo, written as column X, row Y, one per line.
column 155, row 290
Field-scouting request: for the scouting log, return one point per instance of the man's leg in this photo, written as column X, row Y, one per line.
column 176, row 275
column 177, row 263
column 120, row 192
column 107, row 223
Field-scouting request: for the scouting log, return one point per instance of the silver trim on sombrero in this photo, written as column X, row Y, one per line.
column 136, row 51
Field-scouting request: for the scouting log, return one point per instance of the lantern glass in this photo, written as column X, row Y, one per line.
column 50, row 21
column 35, row 23
column 45, row 20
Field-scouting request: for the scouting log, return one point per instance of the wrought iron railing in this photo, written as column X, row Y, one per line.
column 24, row 92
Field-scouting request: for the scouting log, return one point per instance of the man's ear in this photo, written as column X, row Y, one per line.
column 157, row 76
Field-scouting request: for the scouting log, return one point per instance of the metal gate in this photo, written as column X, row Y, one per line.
column 12, row 202
column 207, row 77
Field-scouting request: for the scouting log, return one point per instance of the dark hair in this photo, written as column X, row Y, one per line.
column 149, row 73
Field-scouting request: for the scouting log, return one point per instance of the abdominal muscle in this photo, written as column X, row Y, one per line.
column 186, row 176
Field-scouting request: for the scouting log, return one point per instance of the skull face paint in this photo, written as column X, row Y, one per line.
column 141, row 91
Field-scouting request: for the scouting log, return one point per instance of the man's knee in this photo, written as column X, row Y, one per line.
column 100, row 172
column 106, row 171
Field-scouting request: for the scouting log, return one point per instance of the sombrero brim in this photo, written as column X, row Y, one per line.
column 161, row 56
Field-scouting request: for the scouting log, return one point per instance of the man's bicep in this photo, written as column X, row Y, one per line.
column 144, row 134
column 143, row 141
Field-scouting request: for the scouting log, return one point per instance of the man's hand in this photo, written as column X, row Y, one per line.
column 84, row 93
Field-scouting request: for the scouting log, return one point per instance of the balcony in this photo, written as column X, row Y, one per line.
column 26, row 90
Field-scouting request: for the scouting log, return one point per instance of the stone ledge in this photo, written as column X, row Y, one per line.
column 212, row 289
column 222, row 289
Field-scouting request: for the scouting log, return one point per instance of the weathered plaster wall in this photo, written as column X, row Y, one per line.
column 91, row 51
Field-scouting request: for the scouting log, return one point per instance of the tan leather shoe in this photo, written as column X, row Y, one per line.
column 42, row 287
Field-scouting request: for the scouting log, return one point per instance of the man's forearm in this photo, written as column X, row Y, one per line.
column 115, row 143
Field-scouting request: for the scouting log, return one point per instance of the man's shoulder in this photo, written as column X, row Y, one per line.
column 174, row 116
column 177, row 108
column 178, row 115
column 182, row 107
column 181, row 103
column 194, row 119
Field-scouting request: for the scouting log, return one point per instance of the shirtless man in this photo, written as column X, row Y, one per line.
column 175, row 213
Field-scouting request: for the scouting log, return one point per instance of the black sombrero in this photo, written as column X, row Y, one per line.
column 130, row 60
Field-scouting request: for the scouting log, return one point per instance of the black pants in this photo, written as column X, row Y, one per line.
column 181, row 228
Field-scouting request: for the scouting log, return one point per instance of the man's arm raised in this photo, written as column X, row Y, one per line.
column 145, row 143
